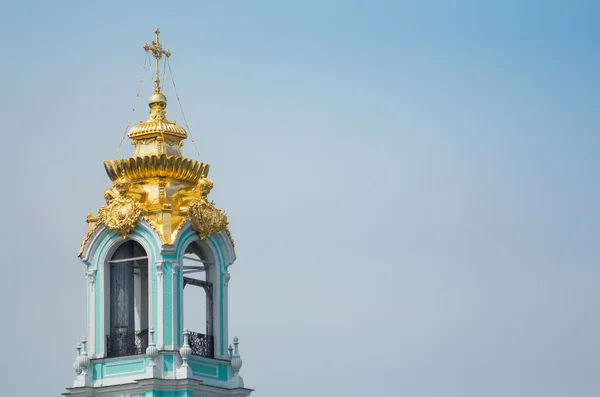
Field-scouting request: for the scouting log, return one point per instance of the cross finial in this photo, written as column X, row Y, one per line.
column 157, row 53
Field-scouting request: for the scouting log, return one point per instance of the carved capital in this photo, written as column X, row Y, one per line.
column 175, row 267
column 90, row 275
column 159, row 268
column 226, row 278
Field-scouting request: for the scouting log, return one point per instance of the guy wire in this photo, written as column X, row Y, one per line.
column 134, row 104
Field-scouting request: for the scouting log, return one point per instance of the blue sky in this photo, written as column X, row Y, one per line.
column 412, row 188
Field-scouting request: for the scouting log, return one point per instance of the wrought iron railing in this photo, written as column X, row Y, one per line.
column 202, row 345
column 121, row 344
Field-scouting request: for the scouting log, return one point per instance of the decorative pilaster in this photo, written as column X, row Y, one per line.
column 90, row 276
column 159, row 303
column 175, row 330
column 225, row 297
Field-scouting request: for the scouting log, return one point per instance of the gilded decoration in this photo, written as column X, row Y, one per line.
column 229, row 235
column 121, row 215
column 155, row 225
column 93, row 223
column 157, row 184
column 207, row 219
column 180, row 168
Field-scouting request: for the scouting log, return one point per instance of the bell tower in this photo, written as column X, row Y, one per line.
column 157, row 235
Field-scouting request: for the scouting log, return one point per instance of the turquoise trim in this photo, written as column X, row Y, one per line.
column 88, row 300
column 182, row 238
column 99, row 264
column 109, row 240
column 168, row 363
column 171, row 304
column 208, row 369
column 186, row 236
column 155, row 302
column 221, row 262
column 179, row 304
column 168, row 393
column 119, row 368
column 98, row 286
column 168, row 305
column 124, row 368
column 97, row 371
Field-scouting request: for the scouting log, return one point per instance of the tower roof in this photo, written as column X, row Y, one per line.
column 157, row 124
column 157, row 128
column 157, row 183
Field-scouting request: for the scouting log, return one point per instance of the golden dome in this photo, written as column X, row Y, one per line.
column 158, row 127
column 157, row 124
column 157, row 184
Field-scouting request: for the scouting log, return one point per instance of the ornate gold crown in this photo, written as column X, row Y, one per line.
column 157, row 183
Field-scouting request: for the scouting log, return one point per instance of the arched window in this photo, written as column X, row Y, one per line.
column 198, row 300
column 128, row 301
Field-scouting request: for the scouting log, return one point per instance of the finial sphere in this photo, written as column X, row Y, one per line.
column 159, row 99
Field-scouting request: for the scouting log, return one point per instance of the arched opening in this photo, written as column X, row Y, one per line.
column 194, row 310
column 127, row 300
column 198, row 300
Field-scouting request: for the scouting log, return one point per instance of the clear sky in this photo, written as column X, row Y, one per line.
column 413, row 189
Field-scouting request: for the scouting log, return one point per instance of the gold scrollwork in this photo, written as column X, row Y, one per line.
column 206, row 218
column 120, row 215
column 230, row 237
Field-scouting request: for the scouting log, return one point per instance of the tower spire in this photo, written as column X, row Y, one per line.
column 140, row 251
column 157, row 53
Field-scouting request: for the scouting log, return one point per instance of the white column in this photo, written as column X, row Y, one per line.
column 137, row 299
column 159, row 303
column 216, row 278
column 90, row 275
column 175, row 292
column 225, row 319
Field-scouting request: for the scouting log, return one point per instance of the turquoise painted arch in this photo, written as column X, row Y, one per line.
column 218, row 249
column 100, row 247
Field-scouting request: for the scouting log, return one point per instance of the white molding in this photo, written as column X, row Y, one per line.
column 90, row 246
column 174, row 306
column 215, row 278
column 90, row 275
column 160, row 340
column 226, row 279
column 137, row 386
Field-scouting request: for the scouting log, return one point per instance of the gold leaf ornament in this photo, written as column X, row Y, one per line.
column 206, row 218
column 121, row 215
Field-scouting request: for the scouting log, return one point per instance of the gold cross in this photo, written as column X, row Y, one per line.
column 157, row 53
